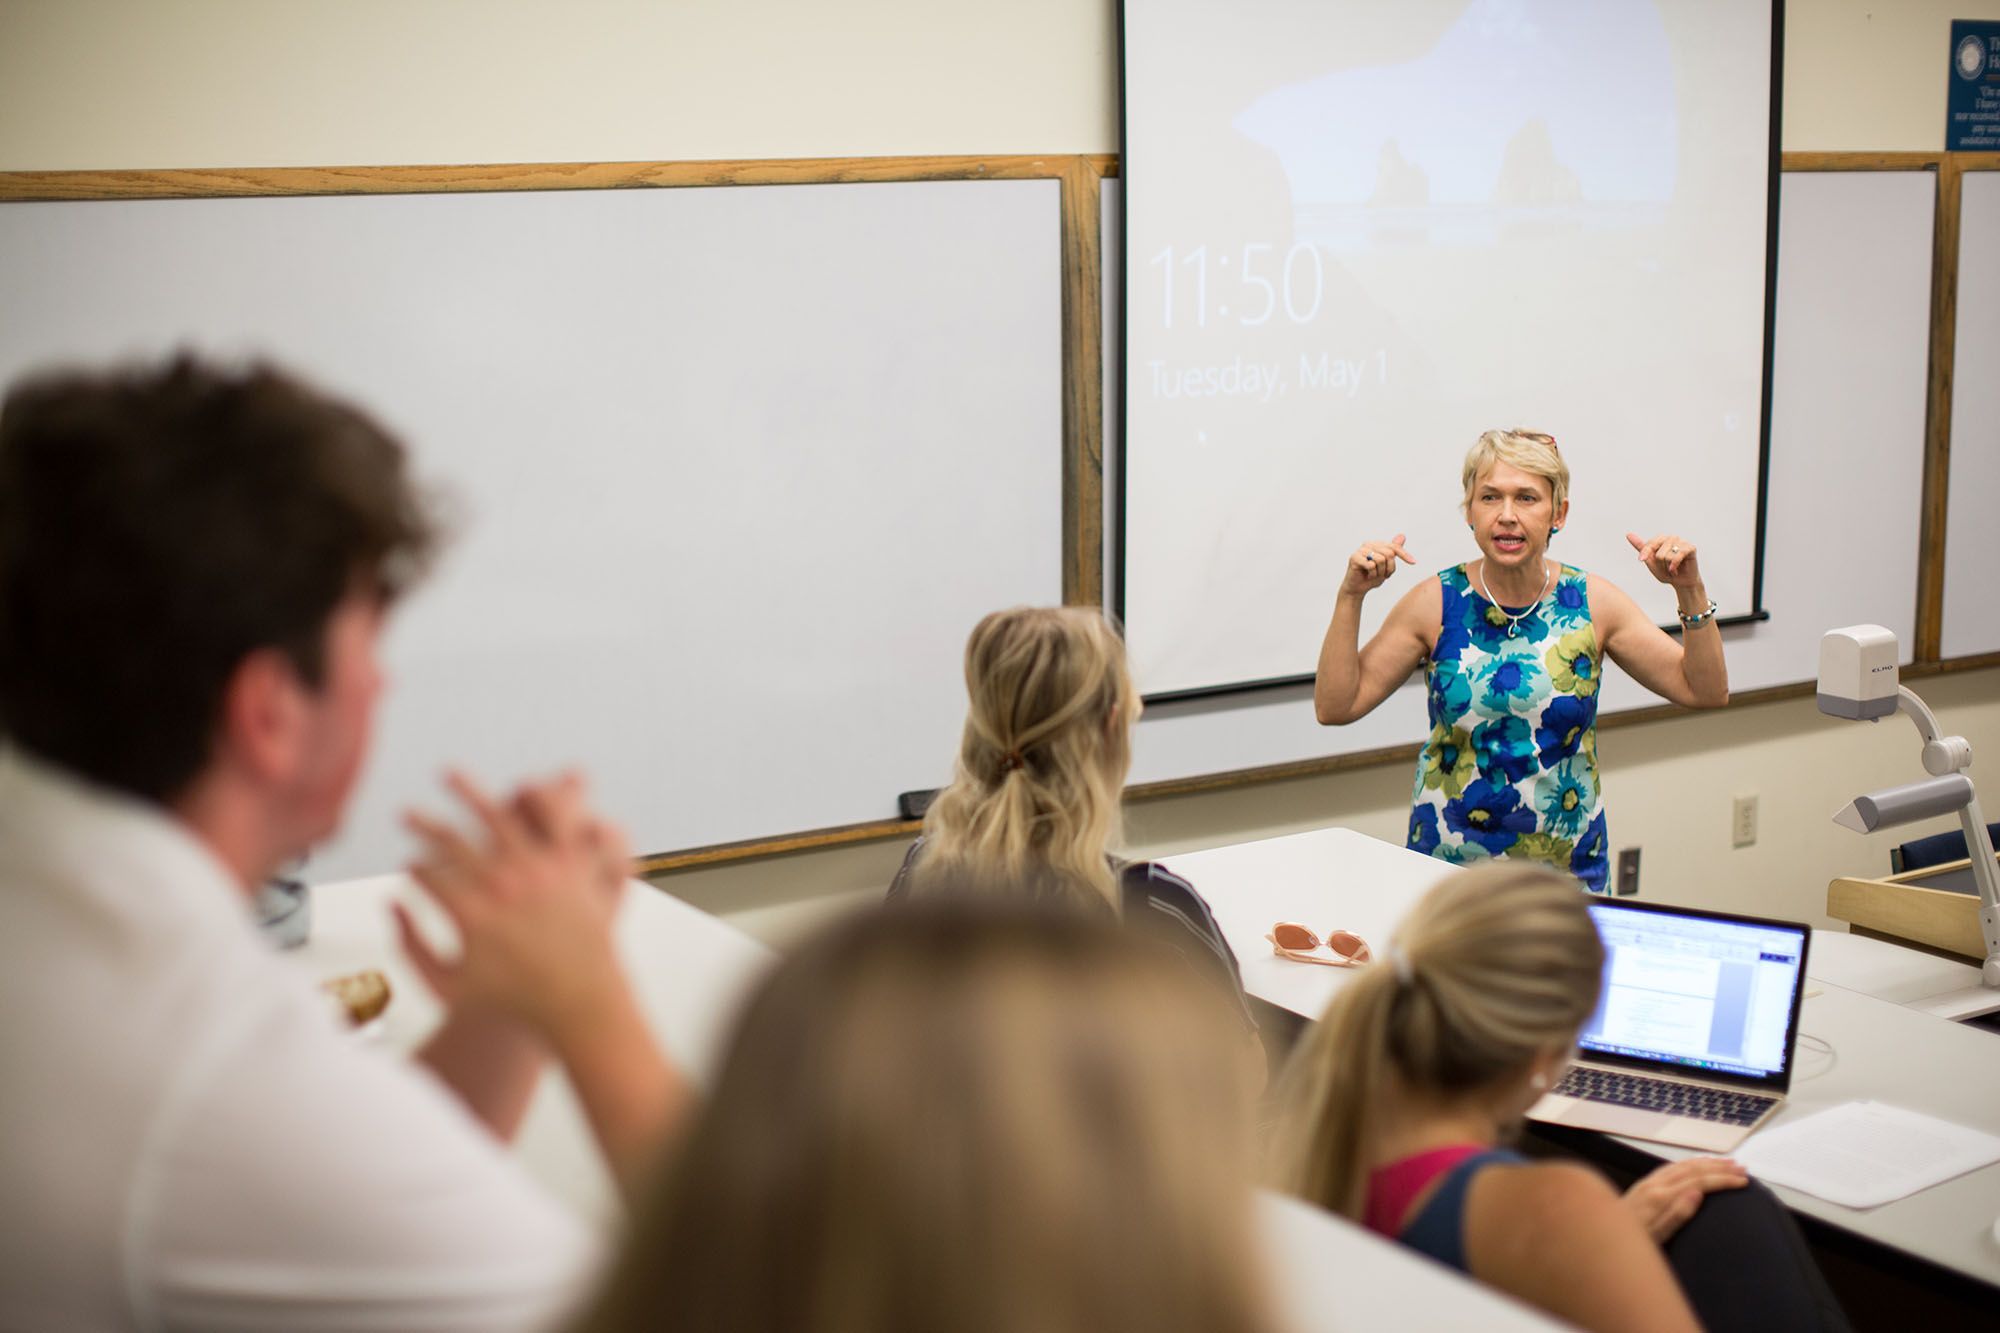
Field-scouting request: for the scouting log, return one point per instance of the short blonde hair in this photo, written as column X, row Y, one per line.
column 1529, row 450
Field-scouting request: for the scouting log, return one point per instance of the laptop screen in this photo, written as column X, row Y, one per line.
column 1717, row 995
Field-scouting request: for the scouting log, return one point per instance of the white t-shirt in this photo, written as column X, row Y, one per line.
column 187, row 1139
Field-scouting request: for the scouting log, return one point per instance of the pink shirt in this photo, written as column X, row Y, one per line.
column 1393, row 1188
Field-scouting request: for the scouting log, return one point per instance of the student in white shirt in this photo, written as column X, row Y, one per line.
column 194, row 568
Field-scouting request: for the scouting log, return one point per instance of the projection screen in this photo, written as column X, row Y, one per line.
column 1360, row 232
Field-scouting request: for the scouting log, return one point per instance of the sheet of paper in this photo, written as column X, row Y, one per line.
column 1861, row 1154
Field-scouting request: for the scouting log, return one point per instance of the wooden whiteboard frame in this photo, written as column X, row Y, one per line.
column 1080, row 176
column 1081, row 351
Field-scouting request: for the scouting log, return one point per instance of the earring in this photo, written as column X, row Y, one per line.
column 1554, row 531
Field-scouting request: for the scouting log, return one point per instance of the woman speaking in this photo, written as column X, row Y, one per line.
column 1512, row 645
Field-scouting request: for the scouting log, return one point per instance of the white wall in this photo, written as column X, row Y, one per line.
column 183, row 83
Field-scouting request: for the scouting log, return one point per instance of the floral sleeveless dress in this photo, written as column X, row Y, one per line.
column 1510, row 768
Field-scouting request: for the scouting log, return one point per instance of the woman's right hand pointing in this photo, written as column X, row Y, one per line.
column 1371, row 565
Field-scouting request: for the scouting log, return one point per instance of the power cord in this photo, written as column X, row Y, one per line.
column 1823, row 1047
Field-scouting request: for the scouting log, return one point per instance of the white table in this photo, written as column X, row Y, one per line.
column 690, row 971
column 1335, row 1277
column 1339, row 879
column 1329, row 879
column 1889, row 1053
column 1882, row 1050
column 1909, row 977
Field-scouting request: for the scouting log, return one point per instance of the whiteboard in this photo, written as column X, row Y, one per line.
column 1972, row 520
column 1850, row 349
column 1851, row 371
column 733, row 470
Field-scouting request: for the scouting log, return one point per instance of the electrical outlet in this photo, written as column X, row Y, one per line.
column 1627, row 882
column 1743, row 821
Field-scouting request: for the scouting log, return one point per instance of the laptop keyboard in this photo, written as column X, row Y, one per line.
column 1652, row 1094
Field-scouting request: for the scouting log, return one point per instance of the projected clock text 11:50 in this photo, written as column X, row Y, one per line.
column 1262, row 284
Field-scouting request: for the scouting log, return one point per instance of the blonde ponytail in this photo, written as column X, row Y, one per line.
column 1492, row 967
column 1034, row 804
column 1330, row 1091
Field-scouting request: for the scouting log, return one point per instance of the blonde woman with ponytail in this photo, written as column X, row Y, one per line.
column 1398, row 1102
column 1033, row 809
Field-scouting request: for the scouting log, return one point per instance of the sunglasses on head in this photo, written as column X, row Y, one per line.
column 1291, row 940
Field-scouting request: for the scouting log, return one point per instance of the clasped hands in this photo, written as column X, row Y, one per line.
column 533, row 889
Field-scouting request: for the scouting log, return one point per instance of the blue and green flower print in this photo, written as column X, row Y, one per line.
column 1505, row 749
column 1510, row 685
column 1510, row 768
column 1591, row 859
column 1568, row 797
column 1491, row 815
column 1424, row 828
column 1564, row 725
column 1572, row 662
column 1448, row 762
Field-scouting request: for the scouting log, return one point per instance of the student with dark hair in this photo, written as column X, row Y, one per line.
column 195, row 565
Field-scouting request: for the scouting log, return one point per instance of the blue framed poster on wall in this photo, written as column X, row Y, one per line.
column 1972, row 104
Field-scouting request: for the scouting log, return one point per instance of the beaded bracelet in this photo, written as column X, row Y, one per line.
column 1700, row 618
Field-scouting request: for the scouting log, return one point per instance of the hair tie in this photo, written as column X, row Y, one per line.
column 1399, row 963
column 1011, row 761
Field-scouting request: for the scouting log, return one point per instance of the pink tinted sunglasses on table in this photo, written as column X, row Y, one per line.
column 1296, row 942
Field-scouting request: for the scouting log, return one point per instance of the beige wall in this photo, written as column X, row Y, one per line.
column 191, row 83
column 180, row 83
column 187, row 83
column 1869, row 74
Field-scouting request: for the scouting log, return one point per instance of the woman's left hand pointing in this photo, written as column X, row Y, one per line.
column 1668, row 558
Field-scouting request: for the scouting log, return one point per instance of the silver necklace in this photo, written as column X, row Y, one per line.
column 1514, row 622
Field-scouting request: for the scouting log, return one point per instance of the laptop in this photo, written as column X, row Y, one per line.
column 1696, row 1030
